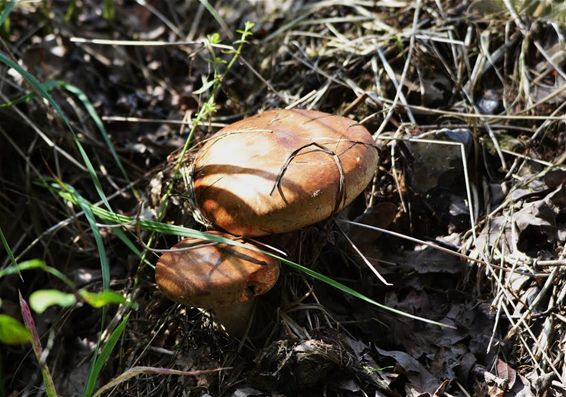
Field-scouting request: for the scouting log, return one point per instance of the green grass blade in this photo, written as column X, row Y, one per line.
column 7, row 248
column 6, row 11
column 98, row 122
column 216, row 17
column 36, row 264
column 29, row 265
column 101, row 360
column 18, row 267
column 41, row 89
column 108, row 10
column 104, row 266
column 71, row 13
column 352, row 292
column 186, row 232
column 49, row 85
column 128, row 243
column 97, row 361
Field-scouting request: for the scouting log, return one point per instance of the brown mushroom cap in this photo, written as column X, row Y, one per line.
column 213, row 276
column 282, row 170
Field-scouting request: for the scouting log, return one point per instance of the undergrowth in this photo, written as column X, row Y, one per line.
column 73, row 198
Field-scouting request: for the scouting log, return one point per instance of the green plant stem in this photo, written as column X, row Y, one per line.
column 205, row 111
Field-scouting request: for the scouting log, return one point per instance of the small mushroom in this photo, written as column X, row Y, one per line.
column 281, row 170
column 218, row 277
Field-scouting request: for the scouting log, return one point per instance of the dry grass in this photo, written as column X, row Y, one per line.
column 466, row 103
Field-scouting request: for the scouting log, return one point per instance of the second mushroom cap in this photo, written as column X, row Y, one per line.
column 215, row 275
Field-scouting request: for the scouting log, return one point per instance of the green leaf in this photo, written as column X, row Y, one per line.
column 249, row 25
column 209, row 107
column 214, row 38
column 100, row 299
column 12, row 332
column 42, row 299
column 205, row 85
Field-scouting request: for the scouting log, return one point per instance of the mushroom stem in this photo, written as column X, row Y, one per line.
column 235, row 319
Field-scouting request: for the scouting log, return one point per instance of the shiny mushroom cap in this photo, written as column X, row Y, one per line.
column 214, row 275
column 282, row 170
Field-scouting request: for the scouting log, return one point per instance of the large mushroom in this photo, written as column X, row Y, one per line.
column 281, row 170
column 218, row 277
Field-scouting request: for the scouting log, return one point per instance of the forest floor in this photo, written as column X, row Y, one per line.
column 465, row 220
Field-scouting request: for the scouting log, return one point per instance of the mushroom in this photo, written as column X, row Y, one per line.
column 281, row 170
column 218, row 277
